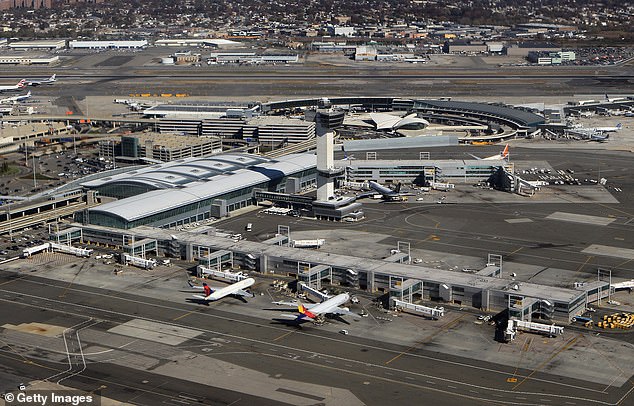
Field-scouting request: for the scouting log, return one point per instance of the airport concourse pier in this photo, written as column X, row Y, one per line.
column 487, row 289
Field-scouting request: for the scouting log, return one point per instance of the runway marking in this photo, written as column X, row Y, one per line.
column 459, row 364
column 184, row 315
column 391, row 380
column 580, row 218
column 284, row 335
column 63, row 294
column 564, row 347
column 13, row 280
column 28, row 361
column 516, row 251
column 615, row 209
column 442, row 329
column 624, row 262
column 609, row 251
column 584, row 264
column 616, row 366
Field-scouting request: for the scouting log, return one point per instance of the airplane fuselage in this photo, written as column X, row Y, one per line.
column 330, row 304
column 231, row 289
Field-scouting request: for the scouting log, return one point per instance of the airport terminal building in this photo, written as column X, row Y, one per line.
column 419, row 172
column 486, row 289
column 193, row 189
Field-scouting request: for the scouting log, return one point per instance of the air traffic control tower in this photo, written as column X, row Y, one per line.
column 327, row 206
column 326, row 120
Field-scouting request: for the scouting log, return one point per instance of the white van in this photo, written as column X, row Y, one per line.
column 249, row 227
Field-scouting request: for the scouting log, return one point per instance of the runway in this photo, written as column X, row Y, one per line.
column 375, row 372
column 299, row 82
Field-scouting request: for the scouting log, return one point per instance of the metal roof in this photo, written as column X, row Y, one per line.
column 158, row 201
column 401, row 142
column 315, row 257
column 181, row 171
column 519, row 116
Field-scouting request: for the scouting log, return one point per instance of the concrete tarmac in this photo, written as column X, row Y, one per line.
column 263, row 359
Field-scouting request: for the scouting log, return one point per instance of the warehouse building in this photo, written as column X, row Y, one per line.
column 251, row 58
column 107, row 44
column 197, row 42
column 28, row 60
column 49, row 45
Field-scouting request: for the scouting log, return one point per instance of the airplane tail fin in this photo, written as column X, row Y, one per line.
column 619, row 126
column 398, row 188
column 505, row 153
column 304, row 311
column 21, row 83
column 53, row 77
column 28, row 94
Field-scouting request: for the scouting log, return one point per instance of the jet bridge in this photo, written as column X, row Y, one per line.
column 305, row 288
column 217, row 259
column 52, row 246
column 313, row 275
column 433, row 312
column 550, row 330
column 230, row 276
column 68, row 249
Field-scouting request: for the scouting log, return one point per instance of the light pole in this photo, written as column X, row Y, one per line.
column 34, row 180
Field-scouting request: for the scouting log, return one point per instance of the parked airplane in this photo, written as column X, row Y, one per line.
column 504, row 154
column 15, row 99
column 609, row 129
column 36, row 82
column 316, row 312
column 387, row 193
column 599, row 137
column 18, row 86
column 236, row 289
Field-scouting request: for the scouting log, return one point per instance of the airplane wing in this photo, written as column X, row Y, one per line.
column 203, row 297
column 200, row 287
column 244, row 293
column 344, row 311
column 291, row 316
column 294, row 304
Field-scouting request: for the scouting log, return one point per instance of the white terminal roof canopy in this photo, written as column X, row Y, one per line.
column 234, row 172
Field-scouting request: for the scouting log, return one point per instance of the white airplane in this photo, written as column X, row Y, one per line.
column 387, row 193
column 18, row 86
column 15, row 99
column 504, row 154
column 316, row 312
column 609, row 129
column 48, row 81
column 236, row 289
